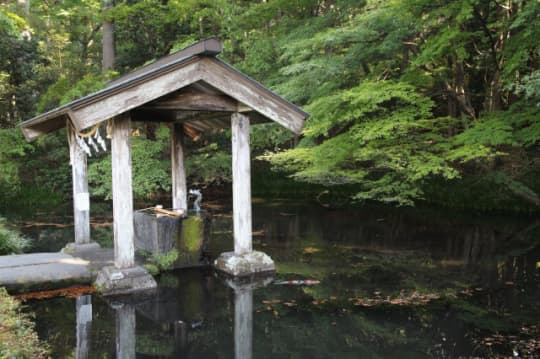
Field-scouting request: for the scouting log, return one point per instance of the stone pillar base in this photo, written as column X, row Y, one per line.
column 244, row 264
column 115, row 281
column 73, row 247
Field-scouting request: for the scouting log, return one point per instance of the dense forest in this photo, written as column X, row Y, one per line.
column 411, row 101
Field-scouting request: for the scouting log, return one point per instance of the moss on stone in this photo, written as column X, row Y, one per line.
column 192, row 234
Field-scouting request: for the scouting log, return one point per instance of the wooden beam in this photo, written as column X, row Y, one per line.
column 137, row 95
column 81, row 197
column 44, row 126
column 195, row 101
column 249, row 93
column 124, row 251
column 179, row 186
column 241, row 170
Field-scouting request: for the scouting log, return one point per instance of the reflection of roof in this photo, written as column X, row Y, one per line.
column 190, row 86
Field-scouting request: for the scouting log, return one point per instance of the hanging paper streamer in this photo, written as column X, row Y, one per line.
column 83, row 146
column 89, row 141
column 100, row 140
column 93, row 144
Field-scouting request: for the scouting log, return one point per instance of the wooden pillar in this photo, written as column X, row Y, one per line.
column 241, row 171
column 124, row 252
column 81, row 198
column 243, row 324
column 179, row 186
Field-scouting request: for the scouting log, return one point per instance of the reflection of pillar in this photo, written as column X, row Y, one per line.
column 180, row 333
column 243, row 323
column 84, row 324
column 125, row 331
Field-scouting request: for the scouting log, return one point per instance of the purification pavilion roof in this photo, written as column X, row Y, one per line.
column 191, row 86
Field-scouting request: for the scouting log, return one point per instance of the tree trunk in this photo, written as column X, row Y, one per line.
column 108, row 40
column 25, row 4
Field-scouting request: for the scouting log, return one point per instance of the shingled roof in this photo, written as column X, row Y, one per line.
column 191, row 86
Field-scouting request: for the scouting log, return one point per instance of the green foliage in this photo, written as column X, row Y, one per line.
column 158, row 262
column 208, row 165
column 19, row 57
column 379, row 135
column 151, row 173
column 402, row 93
column 13, row 148
column 11, row 242
column 18, row 338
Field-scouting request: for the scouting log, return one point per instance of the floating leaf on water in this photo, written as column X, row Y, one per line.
column 271, row 301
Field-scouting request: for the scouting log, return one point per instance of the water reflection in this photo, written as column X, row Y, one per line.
column 376, row 266
column 181, row 330
column 243, row 312
column 84, row 325
column 125, row 331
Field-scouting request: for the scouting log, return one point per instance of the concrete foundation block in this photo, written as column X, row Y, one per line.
column 116, row 281
column 244, row 264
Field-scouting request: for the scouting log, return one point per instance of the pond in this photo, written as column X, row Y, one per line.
column 407, row 283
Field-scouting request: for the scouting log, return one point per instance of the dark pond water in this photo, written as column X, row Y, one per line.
column 394, row 283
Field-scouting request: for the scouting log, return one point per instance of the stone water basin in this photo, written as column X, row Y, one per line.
column 161, row 234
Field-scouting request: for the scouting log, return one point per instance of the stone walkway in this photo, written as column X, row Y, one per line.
column 42, row 271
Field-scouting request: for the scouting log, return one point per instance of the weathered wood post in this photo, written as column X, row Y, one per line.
column 241, row 173
column 124, row 249
column 243, row 261
column 81, row 198
column 179, row 186
column 124, row 277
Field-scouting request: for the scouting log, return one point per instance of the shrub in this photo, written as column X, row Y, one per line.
column 11, row 241
column 18, row 338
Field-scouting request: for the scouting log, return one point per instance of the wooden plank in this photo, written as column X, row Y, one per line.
column 246, row 91
column 241, row 170
column 131, row 97
column 210, row 47
column 44, row 126
column 81, row 197
column 179, row 185
column 124, row 251
column 195, row 101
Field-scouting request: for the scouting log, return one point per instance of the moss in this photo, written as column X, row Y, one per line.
column 192, row 234
column 18, row 338
column 159, row 262
column 151, row 268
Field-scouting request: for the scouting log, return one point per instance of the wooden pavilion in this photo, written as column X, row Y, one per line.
column 193, row 91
